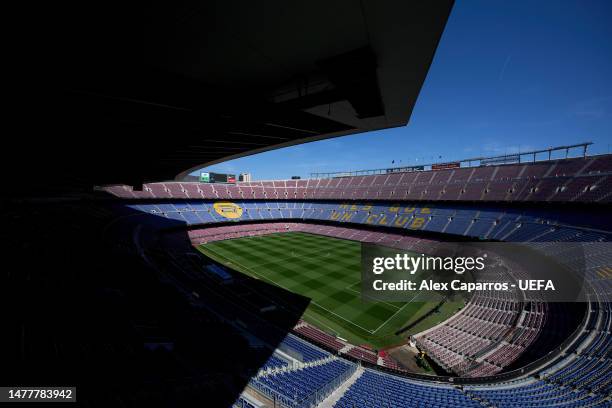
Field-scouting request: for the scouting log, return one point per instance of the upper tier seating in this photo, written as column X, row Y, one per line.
column 581, row 179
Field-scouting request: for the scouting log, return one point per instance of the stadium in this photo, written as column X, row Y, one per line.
column 145, row 279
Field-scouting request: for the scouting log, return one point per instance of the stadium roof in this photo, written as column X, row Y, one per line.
column 133, row 94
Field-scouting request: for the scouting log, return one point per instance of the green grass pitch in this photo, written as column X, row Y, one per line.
column 328, row 271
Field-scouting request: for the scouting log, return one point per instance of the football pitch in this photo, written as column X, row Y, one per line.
column 328, row 271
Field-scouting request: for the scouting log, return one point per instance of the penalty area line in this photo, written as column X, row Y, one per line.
column 348, row 289
column 341, row 317
column 394, row 314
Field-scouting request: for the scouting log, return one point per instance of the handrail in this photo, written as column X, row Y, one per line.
column 482, row 160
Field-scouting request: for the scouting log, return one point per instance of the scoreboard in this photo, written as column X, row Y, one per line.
column 206, row 177
column 446, row 166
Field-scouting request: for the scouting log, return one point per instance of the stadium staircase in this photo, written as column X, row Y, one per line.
column 482, row 355
column 478, row 399
column 319, row 362
column 335, row 396
column 297, row 365
column 346, row 348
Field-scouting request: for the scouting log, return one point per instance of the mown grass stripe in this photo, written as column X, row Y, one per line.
column 327, row 270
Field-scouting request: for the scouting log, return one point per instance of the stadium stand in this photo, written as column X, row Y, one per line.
column 495, row 222
column 491, row 345
column 377, row 390
column 485, row 318
column 567, row 180
column 480, row 328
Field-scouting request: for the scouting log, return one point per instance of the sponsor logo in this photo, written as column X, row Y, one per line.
column 227, row 209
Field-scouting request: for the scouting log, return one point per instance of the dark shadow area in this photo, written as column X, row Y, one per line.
column 433, row 310
column 563, row 319
column 142, row 91
column 111, row 308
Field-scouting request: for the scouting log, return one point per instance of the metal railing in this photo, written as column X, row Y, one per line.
column 511, row 158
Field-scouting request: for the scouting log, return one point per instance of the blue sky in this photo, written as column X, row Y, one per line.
column 506, row 76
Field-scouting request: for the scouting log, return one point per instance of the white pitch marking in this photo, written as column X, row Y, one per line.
column 400, row 309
